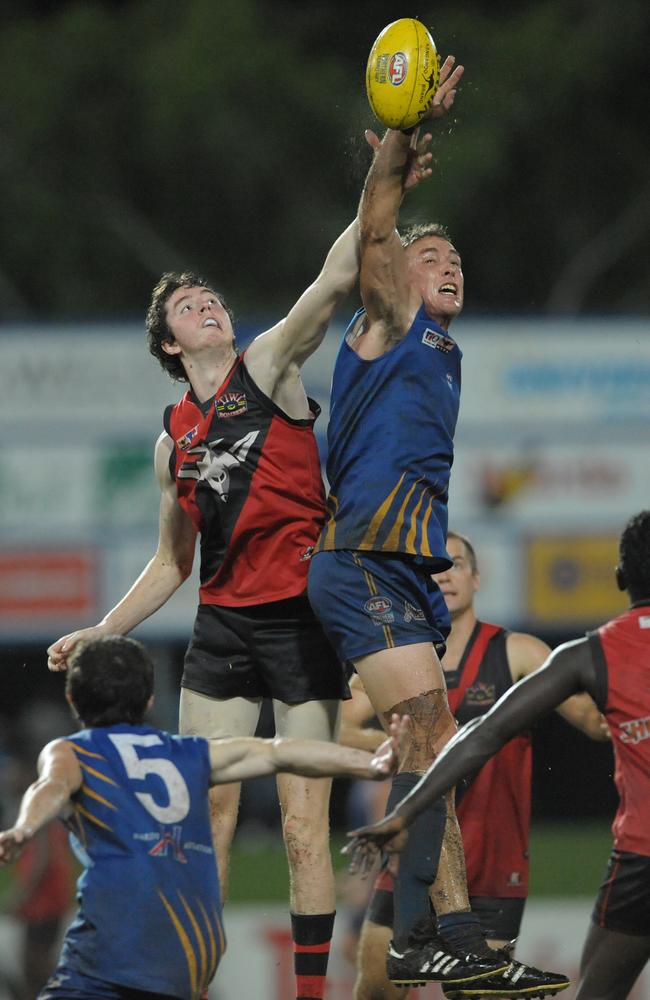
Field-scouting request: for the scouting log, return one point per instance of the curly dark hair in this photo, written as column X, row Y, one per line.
column 418, row 232
column 158, row 332
column 110, row 680
column 634, row 555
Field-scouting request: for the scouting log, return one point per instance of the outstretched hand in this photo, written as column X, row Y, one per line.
column 388, row 834
column 387, row 756
column 445, row 95
column 12, row 844
column 419, row 157
column 59, row 651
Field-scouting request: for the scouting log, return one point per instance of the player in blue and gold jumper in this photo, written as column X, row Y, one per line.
column 394, row 405
column 135, row 801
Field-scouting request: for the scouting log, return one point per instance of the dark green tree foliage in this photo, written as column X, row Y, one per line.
column 228, row 136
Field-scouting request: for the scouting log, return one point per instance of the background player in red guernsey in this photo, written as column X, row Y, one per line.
column 238, row 465
column 612, row 664
column 481, row 662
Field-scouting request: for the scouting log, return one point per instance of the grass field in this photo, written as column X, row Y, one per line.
column 566, row 860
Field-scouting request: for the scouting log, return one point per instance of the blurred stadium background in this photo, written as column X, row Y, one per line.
column 228, row 137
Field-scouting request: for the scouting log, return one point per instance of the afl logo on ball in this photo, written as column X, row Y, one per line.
column 397, row 69
column 380, row 610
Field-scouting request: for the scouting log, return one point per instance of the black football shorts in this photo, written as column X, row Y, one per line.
column 276, row 650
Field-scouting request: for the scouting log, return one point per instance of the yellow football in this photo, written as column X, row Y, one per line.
column 403, row 73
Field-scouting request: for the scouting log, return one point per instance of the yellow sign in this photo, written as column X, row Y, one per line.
column 571, row 580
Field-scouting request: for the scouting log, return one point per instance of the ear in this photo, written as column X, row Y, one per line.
column 621, row 582
column 477, row 581
column 150, row 704
column 170, row 347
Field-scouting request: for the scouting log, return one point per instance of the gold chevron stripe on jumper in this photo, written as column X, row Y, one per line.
column 87, row 790
column 86, row 753
column 329, row 531
column 186, row 944
column 200, row 940
column 378, row 518
column 98, row 774
column 92, row 819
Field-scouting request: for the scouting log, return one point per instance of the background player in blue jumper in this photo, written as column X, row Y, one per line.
column 135, row 801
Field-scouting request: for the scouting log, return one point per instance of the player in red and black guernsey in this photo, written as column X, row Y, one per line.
column 481, row 662
column 238, row 465
column 612, row 665
column 135, row 801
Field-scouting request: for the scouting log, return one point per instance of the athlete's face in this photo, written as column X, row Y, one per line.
column 435, row 269
column 459, row 583
column 197, row 319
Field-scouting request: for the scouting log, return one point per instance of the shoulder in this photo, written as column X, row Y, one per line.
column 526, row 653
column 162, row 454
column 57, row 760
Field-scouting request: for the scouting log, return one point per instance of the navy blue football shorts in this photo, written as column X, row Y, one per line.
column 623, row 901
column 368, row 601
column 69, row 984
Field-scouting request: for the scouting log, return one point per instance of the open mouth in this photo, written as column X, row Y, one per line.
column 209, row 322
column 448, row 289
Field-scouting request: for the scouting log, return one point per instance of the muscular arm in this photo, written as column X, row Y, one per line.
column 388, row 298
column 526, row 654
column 170, row 566
column 241, row 758
column 274, row 358
column 47, row 797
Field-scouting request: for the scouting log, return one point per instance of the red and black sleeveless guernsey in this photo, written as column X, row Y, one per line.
column 621, row 651
column 494, row 811
column 249, row 478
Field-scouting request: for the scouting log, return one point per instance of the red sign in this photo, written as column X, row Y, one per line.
column 48, row 584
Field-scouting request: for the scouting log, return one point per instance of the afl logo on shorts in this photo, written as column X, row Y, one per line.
column 380, row 610
column 232, row 404
column 397, row 69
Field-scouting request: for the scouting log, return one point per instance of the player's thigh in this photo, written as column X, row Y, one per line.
column 394, row 676
column 611, row 963
column 216, row 718
column 372, row 982
column 299, row 796
column 310, row 720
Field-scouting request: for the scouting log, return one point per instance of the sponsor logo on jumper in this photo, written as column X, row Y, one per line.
column 644, row 621
column 480, row 694
column 412, row 614
column 437, row 340
column 450, row 380
column 636, row 730
column 186, row 440
column 515, row 878
column 169, row 840
column 380, row 610
column 214, row 466
column 231, row 404
column 397, row 69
